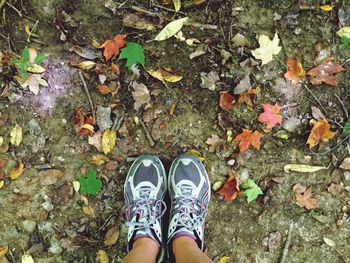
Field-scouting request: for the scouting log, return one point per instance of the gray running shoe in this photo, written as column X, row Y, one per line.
column 189, row 190
column 144, row 190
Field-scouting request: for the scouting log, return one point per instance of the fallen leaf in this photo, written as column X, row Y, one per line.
column 3, row 250
column 84, row 64
column 196, row 153
column 329, row 242
column 164, row 74
column 248, row 96
column 111, row 236
column 76, row 186
column 320, row 132
column 2, row 183
column 302, row 168
column 267, row 48
column 344, row 32
column 112, row 47
column 213, row 142
column 325, row 72
column 247, row 138
column 306, row 199
column 27, row 258
column 108, row 140
column 16, row 135
column 251, row 190
column 231, row 188
column 96, row 140
column 224, row 260
column 316, row 113
column 140, row 94
column 326, row 8
column 103, row 117
column 171, row 108
column 17, row 171
column 50, row 176
column 177, row 5
column 227, row 101
column 138, row 21
column 84, row 124
column 133, row 53
column 243, row 85
column 171, row 29
column 98, row 159
column 86, row 52
column 271, row 115
column 102, row 256
column 209, row 80
column 295, row 70
column 89, row 184
column 89, row 210
column 346, row 128
column 33, row 82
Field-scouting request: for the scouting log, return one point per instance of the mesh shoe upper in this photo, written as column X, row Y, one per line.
column 189, row 189
column 144, row 190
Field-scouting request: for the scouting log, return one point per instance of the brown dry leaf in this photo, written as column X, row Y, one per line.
column 164, row 74
column 17, row 171
column 111, row 236
column 96, row 140
column 102, row 256
column 295, row 70
column 87, row 64
column 248, row 96
column 138, row 21
column 112, row 88
column 89, row 210
column 325, row 72
column 213, row 142
column 98, row 159
column 306, row 199
column 320, row 132
column 198, row 2
column 50, row 176
column 109, row 138
column 140, row 94
column 316, row 113
column 227, row 101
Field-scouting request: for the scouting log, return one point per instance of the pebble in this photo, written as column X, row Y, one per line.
column 345, row 164
column 216, row 186
column 346, row 176
column 231, row 162
column 29, row 225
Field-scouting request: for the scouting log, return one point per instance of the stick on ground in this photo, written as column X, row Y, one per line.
column 88, row 94
column 286, row 246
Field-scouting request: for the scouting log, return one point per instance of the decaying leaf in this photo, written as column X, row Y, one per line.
column 17, row 171
column 84, row 124
column 87, row 64
column 320, row 132
column 112, row 47
column 325, row 72
column 96, row 140
column 213, row 142
column 302, row 168
column 89, row 210
column 209, row 80
column 329, row 242
column 295, row 70
column 227, row 101
column 111, row 236
column 231, row 188
column 138, row 21
column 271, row 115
column 248, row 96
column 243, row 85
column 344, row 31
column 109, row 138
column 3, row 250
column 171, row 29
column 98, row 159
column 16, row 135
column 247, row 138
column 102, row 256
column 164, row 74
column 305, row 199
column 267, row 48
column 33, row 82
column 140, row 94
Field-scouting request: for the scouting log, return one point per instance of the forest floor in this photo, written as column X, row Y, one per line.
column 49, row 140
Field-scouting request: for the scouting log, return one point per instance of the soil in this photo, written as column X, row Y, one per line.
column 48, row 221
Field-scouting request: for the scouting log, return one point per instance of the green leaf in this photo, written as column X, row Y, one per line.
column 134, row 54
column 25, row 55
column 90, row 184
column 251, row 190
column 346, row 129
column 39, row 58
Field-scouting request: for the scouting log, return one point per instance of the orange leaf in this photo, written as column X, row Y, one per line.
column 306, row 199
column 231, row 188
column 112, row 46
column 247, row 138
column 227, row 101
column 104, row 89
column 271, row 115
column 80, row 119
column 248, row 96
column 295, row 70
column 17, row 171
column 320, row 132
column 325, row 72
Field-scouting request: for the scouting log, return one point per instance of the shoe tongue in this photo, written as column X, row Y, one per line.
column 186, row 189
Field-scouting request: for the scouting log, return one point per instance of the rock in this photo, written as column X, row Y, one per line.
column 29, row 225
column 231, row 162
column 36, row 249
column 272, row 241
column 291, row 124
column 50, row 176
column 347, row 176
column 345, row 164
column 104, row 117
column 216, row 186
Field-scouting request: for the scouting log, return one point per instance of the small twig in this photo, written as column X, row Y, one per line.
column 14, row 8
column 286, row 246
column 2, row 3
column 169, row 9
column 343, row 106
column 139, row 9
column 148, row 135
column 199, row 25
column 335, row 147
column 88, row 95
column 313, row 95
column 118, row 122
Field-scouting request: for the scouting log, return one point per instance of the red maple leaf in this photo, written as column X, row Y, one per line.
column 227, row 101
column 247, row 138
column 271, row 115
column 325, row 72
column 112, row 47
column 231, row 188
column 84, row 124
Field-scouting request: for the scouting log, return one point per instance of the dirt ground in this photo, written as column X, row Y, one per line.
column 47, row 220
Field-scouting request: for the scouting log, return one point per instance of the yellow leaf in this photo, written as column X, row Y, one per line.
column 302, row 168
column 267, row 48
column 26, row 258
column 223, row 260
column 98, row 159
column 1, row 140
column 36, row 69
column 326, row 7
column 16, row 135
column 2, row 182
column 108, row 140
column 102, row 256
column 164, row 74
column 177, row 5
column 89, row 210
column 197, row 154
column 111, row 236
column 171, row 29
column 76, row 186
column 3, row 250
column 87, row 126
column 344, row 32
column 17, row 171
column 172, row 78
column 84, row 64
column 27, row 30
column 156, row 74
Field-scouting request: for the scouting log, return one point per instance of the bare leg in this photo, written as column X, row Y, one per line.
column 186, row 250
column 144, row 250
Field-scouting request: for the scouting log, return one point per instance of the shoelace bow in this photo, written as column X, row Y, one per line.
column 192, row 212
column 148, row 209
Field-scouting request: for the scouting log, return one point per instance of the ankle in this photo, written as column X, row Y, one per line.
column 146, row 243
column 181, row 241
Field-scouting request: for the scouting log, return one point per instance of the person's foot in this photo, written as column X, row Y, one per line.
column 189, row 190
column 144, row 190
